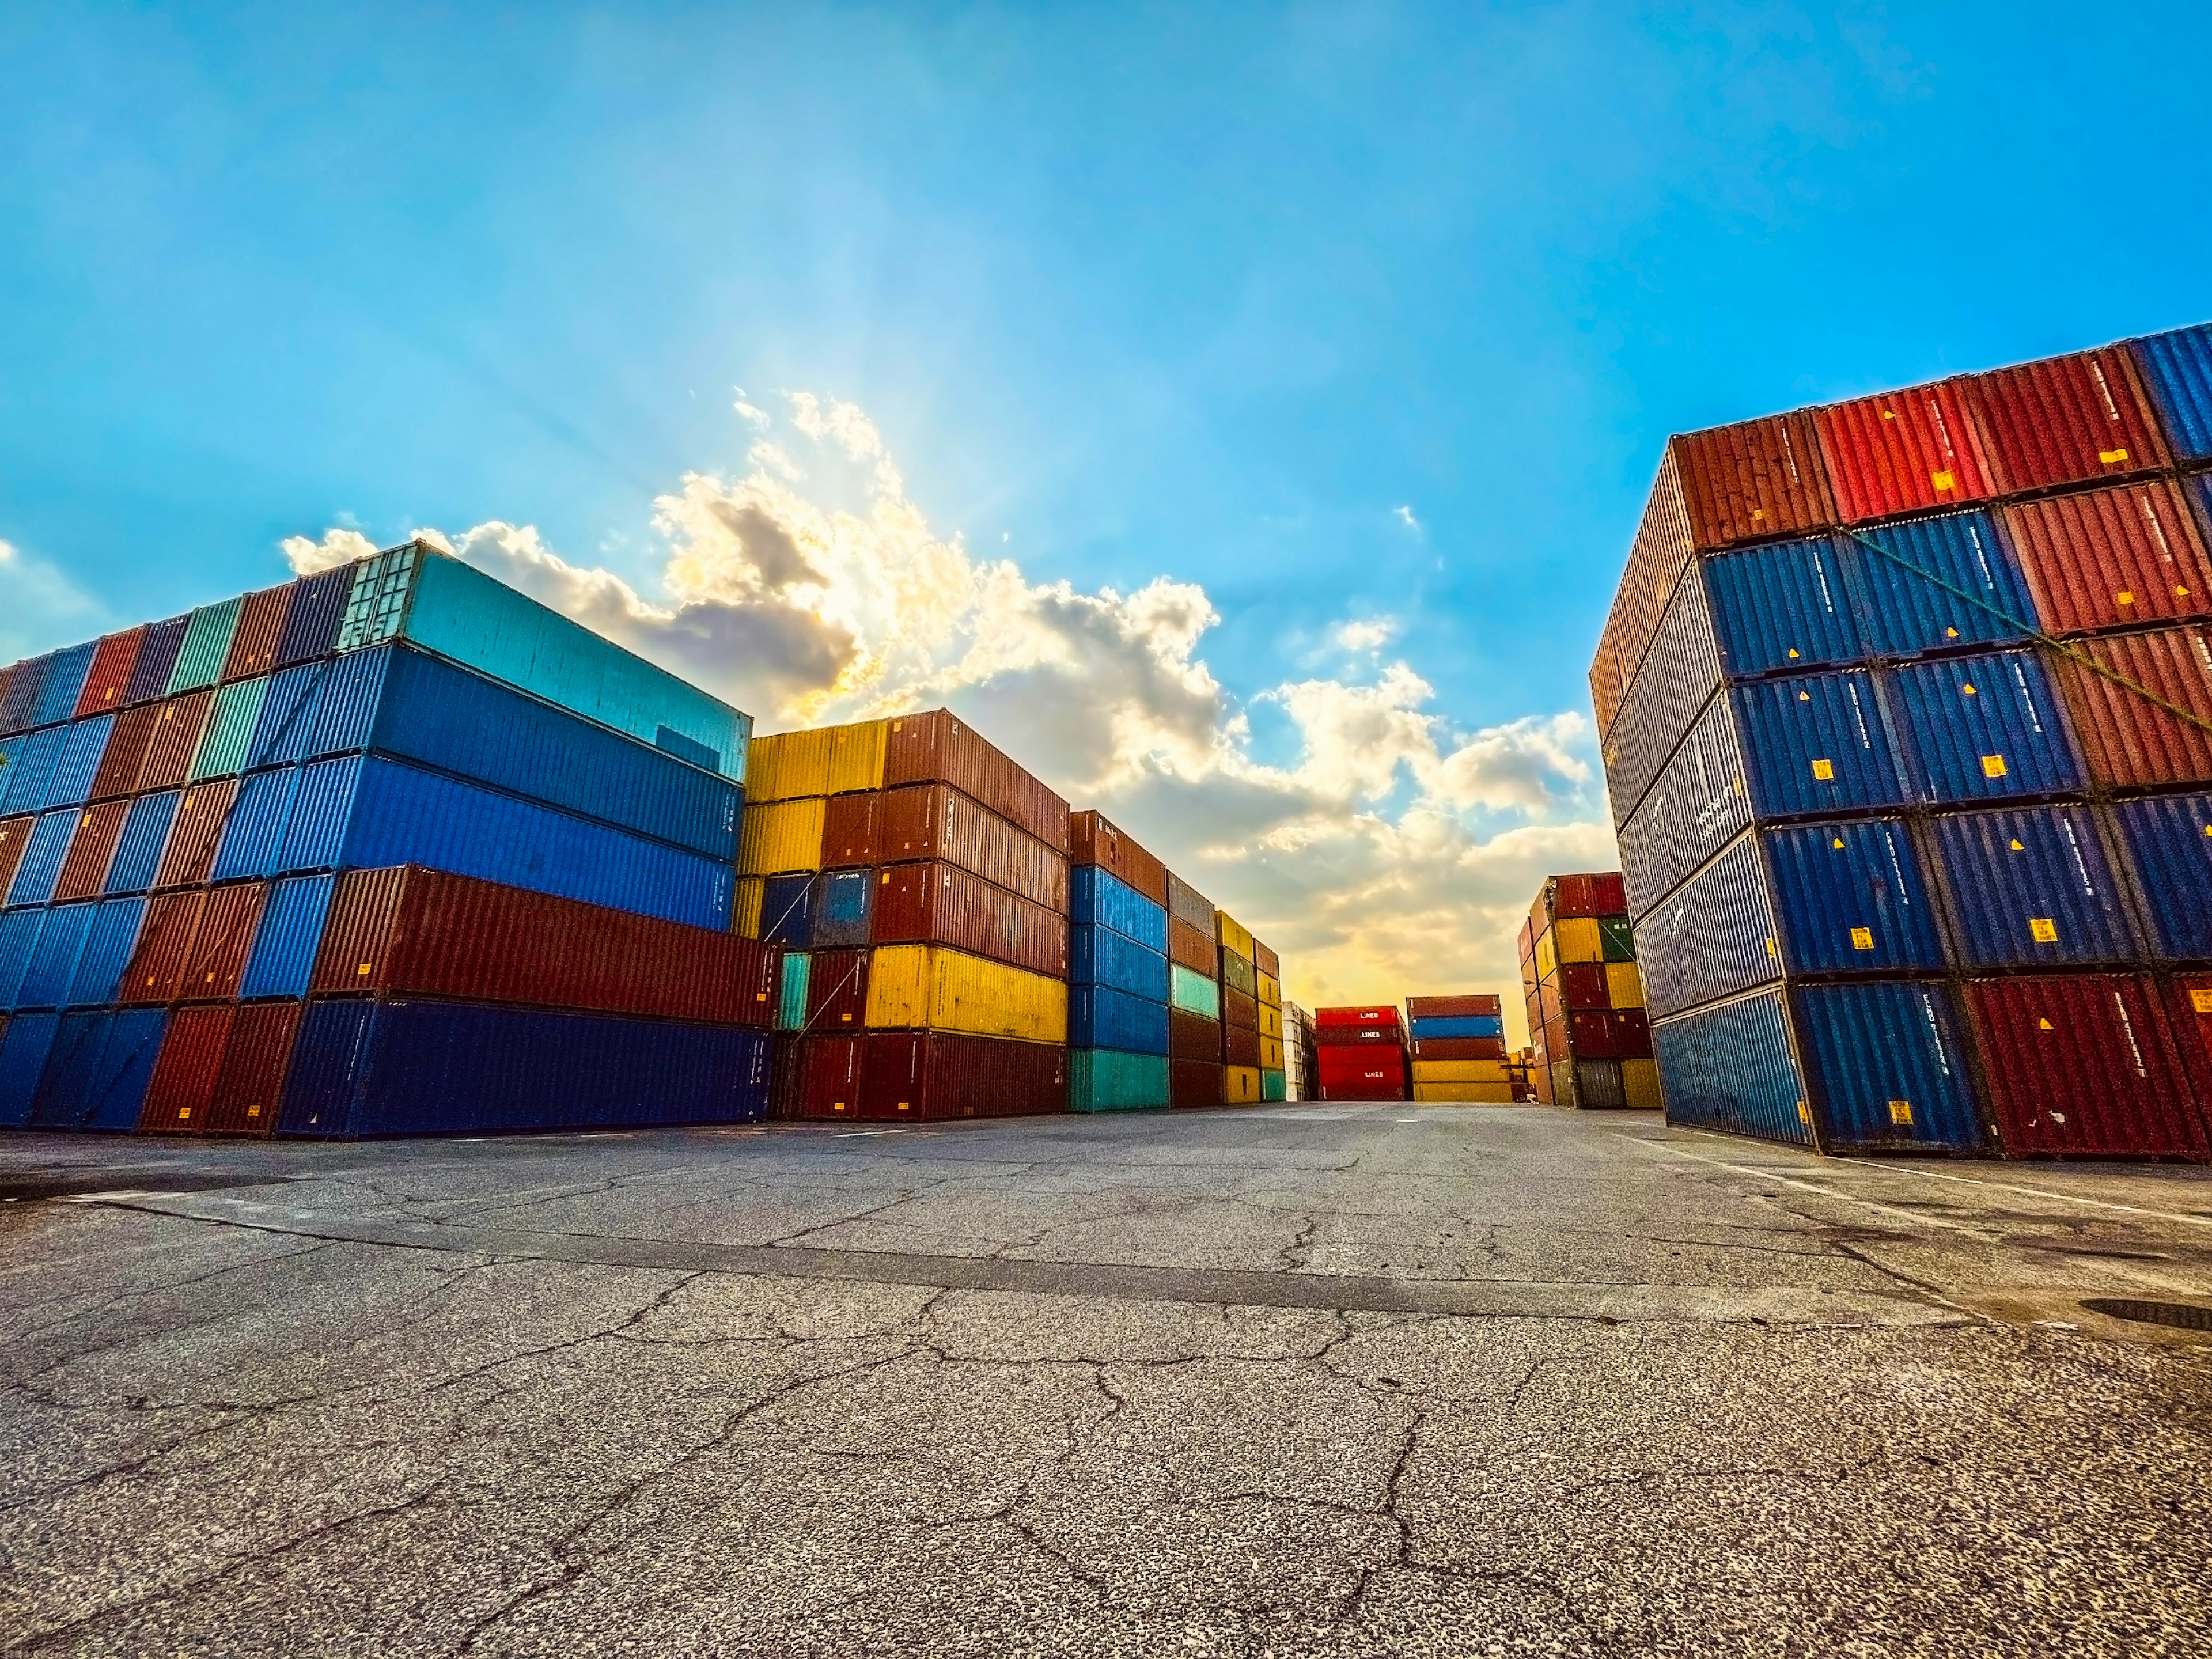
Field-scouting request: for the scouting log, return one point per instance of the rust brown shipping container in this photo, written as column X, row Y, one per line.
column 256, row 1059
column 830, row 1078
column 848, row 831
column 2084, row 1064
column 786, row 1081
column 195, row 833
column 186, row 1071
column 938, row 748
column 2064, row 419
column 107, row 684
column 1663, row 549
column 1194, row 950
column 1267, row 960
column 2189, row 1013
column 165, row 941
column 1187, row 905
column 260, row 625
column 409, row 931
column 1459, row 1048
column 15, row 835
column 125, row 756
column 216, row 961
column 1902, row 452
column 928, row 1075
column 1239, row 1009
column 1755, row 481
column 938, row 903
column 837, row 991
column 1192, row 1036
column 1460, row 1007
column 1094, row 839
column 2127, row 739
column 175, row 739
column 936, row 820
column 2109, row 558
column 1240, row 1045
column 84, row 867
column 1195, row 1083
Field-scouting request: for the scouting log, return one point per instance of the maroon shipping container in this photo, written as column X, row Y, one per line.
column 414, row 932
column 1631, row 1033
column 1193, row 950
column 2126, row 738
column 938, row 748
column 1756, row 480
column 195, row 833
column 1267, row 960
column 1093, row 840
column 174, row 740
column 829, row 1078
column 2062, row 419
column 256, row 1059
column 216, row 961
column 1194, row 1036
column 787, row 1080
column 15, row 835
column 936, row 820
column 1240, row 1045
column 1363, row 1077
column 260, row 625
column 1238, row 1009
column 1528, row 942
column 848, row 831
column 940, row 903
column 2189, row 1007
column 914, row 1076
column 186, row 1071
column 1902, row 452
column 1551, row 1005
column 1582, row 985
column 1371, row 1015
column 1460, row 1048
column 1591, row 1033
column 1462, row 1008
column 1656, row 558
column 2110, row 558
column 1358, row 1036
column 2084, row 1064
column 125, row 756
column 84, row 868
column 837, row 991
column 108, row 685
column 164, row 941
column 1195, row 1083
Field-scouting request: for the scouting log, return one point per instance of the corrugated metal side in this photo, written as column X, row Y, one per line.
column 930, row 987
column 1193, row 993
column 60, row 1102
column 84, row 867
column 1239, row 974
column 2084, row 1064
column 1755, row 481
column 1985, row 726
column 291, row 934
column 1888, row 1066
column 937, row 1074
column 1782, row 605
column 1817, row 742
column 1191, row 949
column 2110, row 558
column 1098, row 956
column 108, row 945
column 1099, row 1017
column 790, row 991
column 2177, row 373
column 20, row 684
column 189, row 1067
column 261, row 617
column 206, row 643
column 1094, row 840
column 157, row 659
column 1901, row 451
column 175, row 739
column 64, row 682
column 164, row 941
column 940, row 903
column 291, row 716
column 250, row 1089
column 125, row 756
column 937, row 747
column 78, row 763
column 1851, row 898
column 2127, row 739
column 2061, row 419
column 2169, row 837
column 139, row 848
column 829, row 1077
column 195, row 833
column 2032, row 886
column 1195, row 1083
column 1193, row 909
column 746, row 896
column 1239, row 1010
column 837, row 991
column 1677, row 680
column 101, row 1088
column 1194, row 1036
column 1098, row 897
column 787, row 913
column 1656, row 558
column 107, row 680
column 253, row 835
column 1269, row 965
column 935, row 821
column 1234, row 937
column 53, row 960
column 844, row 910
column 788, row 766
column 311, row 626
column 856, row 757
column 779, row 837
column 229, row 732
column 1456, row 1025
column 31, row 762
column 27, row 1041
column 1713, row 938
column 41, row 863
column 848, row 831
column 1240, row 1045
column 1730, row 1068
column 216, row 961
column 1907, row 612
column 1104, row 1080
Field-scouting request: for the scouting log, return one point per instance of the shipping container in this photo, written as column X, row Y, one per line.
column 829, row 1078
column 1192, row 1083
column 1270, row 992
column 790, row 991
column 1713, row 938
column 837, row 991
column 64, row 685
column 1755, row 481
column 930, row 1075
column 1679, row 679
column 2177, row 371
column 189, row 1066
column 2084, row 1066
column 107, row 680
column 788, row 766
column 747, row 895
column 125, row 756
column 1889, row 1067
column 53, row 963
column 1459, row 1071
column 2111, row 558
column 1097, row 955
column 1901, row 451
column 229, row 730
column 40, row 864
column 1818, row 744
column 291, row 717
column 848, row 831
column 194, row 834
column 1104, row 1080
column 1466, row 1094
column 1191, row 949
column 1269, row 965
column 256, row 1059
column 2169, row 840
column 2129, row 740
column 1662, row 548
column 215, row 962
column 936, row 820
column 1193, row 993
column 310, row 625
column 139, row 850
column 1700, row 804
column 780, row 837
column 28, row 771
column 20, row 683
column 856, row 757
column 206, row 643
column 165, row 941
column 937, row 747
column 1092, row 839
column 931, row 987
column 289, row 937
column 261, row 619
column 1456, row 1025
column 260, row 818
column 1983, row 728
column 1240, row 1085
column 1274, row 1085
column 787, row 911
column 1623, row 985
column 1187, row 905
column 95, row 1080
column 109, row 943
column 2189, row 1016
column 26, row 1041
column 1939, row 584
column 1193, row 1037
column 843, row 910
column 157, row 661
column 1240, row 1045
column 78, row 760
column 1098, row 898
column 1730, row 1066
column 1851, row 898
column 2064, row 419
column 940, row 903
column 2032, row 887
column 1449, row 1048
column 1782, row 605
column 174, row 738
column 91, row 849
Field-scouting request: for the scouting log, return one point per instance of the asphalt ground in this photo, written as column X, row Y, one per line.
column 1289, row 1380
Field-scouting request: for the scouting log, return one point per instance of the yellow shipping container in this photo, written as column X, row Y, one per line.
column 1466, row 1094
column 1579, row 939
column 1624, row 986
column 1271, row 1021
column 929, row 986
column 1547, row 955
column 1233, row 934
column 1460, row 1070
column 781, row 838
column 1271, row 993
column 745, row 907
column 1240, row 1084
column 856, row 757
column 788, row 766
column 1639, row 1081
column 1270, row 1054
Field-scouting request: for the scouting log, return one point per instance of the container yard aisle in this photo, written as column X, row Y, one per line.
column 1287, row 1379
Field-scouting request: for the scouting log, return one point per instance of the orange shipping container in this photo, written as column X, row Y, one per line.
column 2109, row 558
column 1901, row 451
column 938, row 748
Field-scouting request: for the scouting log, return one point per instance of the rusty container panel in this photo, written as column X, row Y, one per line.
column 936, row 902
column 916, row 1076
column 2064, row 419
column 216, row 961
column 2127, row 739
column 848, row 831
column 195, row 833
column 935, row 821
column 1189, row 948
column 1240, row 1045
column 1240, row 1010
column 165, row 941
column 829, row 1077
column 1656, row 558
column 84, row 868
column 1195, row 1083
column 1094, row 839
column 260, row 626
column 2084, row 1064
column 15, row 836
column 1756, row 480
column 937, row 747
column 1187, row 905
column 1192, row 1036
column 2189, row 1013
column 837, row 991
column 1269, row 965
column 255, row 1060
column 186, row 1071
column 175, row 738
column 107, row 682
column 2111, row 558
column 124, row 758
column 1487, row 1004
column 1901, row 451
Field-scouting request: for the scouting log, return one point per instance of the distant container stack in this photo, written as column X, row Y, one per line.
column 1245, row 1048
column 1195, row 1044
column 1298, row 1081
column 1360, row 1054
column 1906, row 710
column 1274, row 1080
column 1458, row 1049
column 1587, row 1027
column 1118, row 990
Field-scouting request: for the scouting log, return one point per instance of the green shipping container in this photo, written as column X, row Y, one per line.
column 230, row 729
column 207, row 643
column 416, row 592
column 1193, row 993
column 1107, row 1080
column 1616, row 938
column 791, row 1003
column 1271, row 1086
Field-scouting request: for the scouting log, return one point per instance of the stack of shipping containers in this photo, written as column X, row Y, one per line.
column 1459, row 1048
column 1195, row 1039
column 1298, row 1055
column 205, row 927
column 1117, row 1008
column 1240, row 1011
column 1359, row 1054
column 1587, row 1022
column 1907, row 714
column 1275, row 1081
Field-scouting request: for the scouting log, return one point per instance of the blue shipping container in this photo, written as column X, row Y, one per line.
column 1099, row 898
column 82, row 745
column 284, row 732
column 2032, row 887
column 1889, row 1071
column 64, row 682
column 19, row 938
column 53, row 963
column 1985, row 727
column 139, row 848
column 1908, row 613
column 1711, row 938
column 1782, row 605
column 1098, row 956
column 95, row 1079
column 1850, row 898
column 1816, row 743
column 41, row 864
column 24, row 1046
column 403, row 1067
column 311, row 622
column 2170, row 839
column 1729, row 1067
column 252, row 844
column 157, row 659
column 1442, row 1026
column 289, row 934
column 2177, row 367
column 21, row 702
column 1099, row 1017
column 844, row 907
column 108, row 947
column 31, row 769
column 787, row 911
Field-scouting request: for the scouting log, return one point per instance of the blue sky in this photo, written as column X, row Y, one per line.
column 1341, row 313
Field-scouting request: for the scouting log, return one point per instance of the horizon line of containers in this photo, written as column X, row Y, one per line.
column 395, row 849
column 1905, row 704
column 1441, row 1049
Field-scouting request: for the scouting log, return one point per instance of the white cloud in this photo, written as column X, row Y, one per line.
column 339, row 545
column 40, row 607
column 1405, row 516
column 1394, row 854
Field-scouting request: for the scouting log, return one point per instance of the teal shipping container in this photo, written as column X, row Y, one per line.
column 791, row 1000
column 230, row 729
column 1107, row 1080
column 207, row 643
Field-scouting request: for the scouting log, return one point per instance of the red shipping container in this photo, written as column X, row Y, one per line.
column 125, row 756
column 1756, row 480
column 2127, row 738
column 84, row 869
column 787, row 1083
column 940, row 903
column 1656, row 558
column 837, row 991
column 195, row 833
column 1582, row 985
column 848, row 831
column 1552, row 1045
column 936, row 820
column 2110, row 558
column 1551, row 1007
column 1240, row 1045
column 1193, row 950
column 260, row 624
column 1240, row 1010
column 1195, row 1083
column 2062, row 419
column 186, row 1071
column 938, row 748
column 916, row 1076
column 165, row 941
column 2189, row 1004
column 1461, row 1007
column 1371, row 1015
column 108, row 682
column 1459, row 1048
column 1327, row 1038
column 256, row 1059
column 1902, row 452
column 1375, row 1081
column 1093, row 840
column 1575, row 895
column 1609, row 892
column 1267, row 960
column 1527, row 944
column 413, row 932
column 216, row 961
column 2084, row 1064
column 830, row 1076
column 1358, row 1061
column 174, row 740
column 1631, row 1033
column 1193, row 1037
column 15, row 835
column 1590, row 1031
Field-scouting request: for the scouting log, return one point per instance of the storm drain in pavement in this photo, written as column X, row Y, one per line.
column 2180, row 1315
